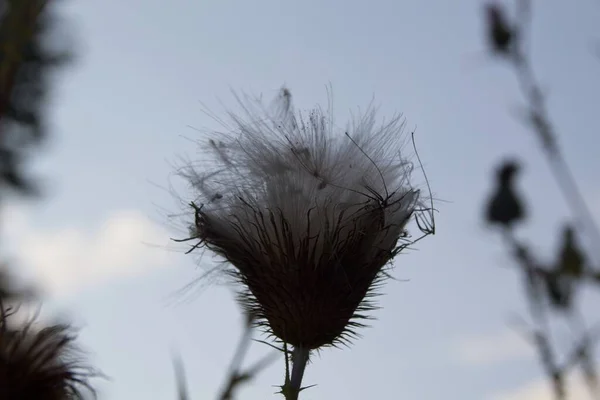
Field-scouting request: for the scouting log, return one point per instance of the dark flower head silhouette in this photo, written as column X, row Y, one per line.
column 307, row 218
column 38, row 363
column 42, row 364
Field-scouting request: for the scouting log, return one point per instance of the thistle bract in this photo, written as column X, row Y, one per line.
column 306, row 216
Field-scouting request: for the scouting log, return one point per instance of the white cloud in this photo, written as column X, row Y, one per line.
column 541, row 390
column 484, row 350
column 67, row 259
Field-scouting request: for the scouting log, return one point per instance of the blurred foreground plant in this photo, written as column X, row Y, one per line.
column 27, row 60
column 550, row 289
column 39, row 363
column 307, row 220
column 35, row 363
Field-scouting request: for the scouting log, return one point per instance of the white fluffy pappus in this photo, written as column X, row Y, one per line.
column 306, row 214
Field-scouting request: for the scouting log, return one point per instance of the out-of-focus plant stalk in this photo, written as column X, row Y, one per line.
column 17, row 29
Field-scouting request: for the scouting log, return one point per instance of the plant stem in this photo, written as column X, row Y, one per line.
column 544, row 128
column 299, row 360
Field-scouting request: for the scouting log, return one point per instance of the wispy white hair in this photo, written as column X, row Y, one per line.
column 301, row 209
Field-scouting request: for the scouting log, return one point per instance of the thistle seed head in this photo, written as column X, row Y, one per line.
column 42, row 364
column 306, row 217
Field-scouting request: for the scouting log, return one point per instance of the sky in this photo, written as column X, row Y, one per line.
column 99, row 244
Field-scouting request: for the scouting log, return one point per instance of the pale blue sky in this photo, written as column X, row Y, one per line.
column 120, row 114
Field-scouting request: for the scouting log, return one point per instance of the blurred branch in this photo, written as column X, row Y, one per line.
column 550, row 288
column 537, row 311
column 236, row 377
column 508, row 41
column 182, row 387
column 541, row 124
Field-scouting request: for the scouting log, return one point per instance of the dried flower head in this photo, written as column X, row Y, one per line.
column 306, row 218
column 500, row 33
column 505, row 207
column 41, row 364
